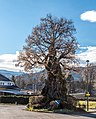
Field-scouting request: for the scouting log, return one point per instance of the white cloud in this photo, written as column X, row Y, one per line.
column 89, row 16
column 8, row 61
column 89, row 54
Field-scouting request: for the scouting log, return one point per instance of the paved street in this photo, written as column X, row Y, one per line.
column 18, row 112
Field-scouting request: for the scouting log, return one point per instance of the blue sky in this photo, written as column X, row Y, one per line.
column 18, row 17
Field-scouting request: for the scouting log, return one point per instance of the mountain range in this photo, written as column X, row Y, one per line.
column 10, row 73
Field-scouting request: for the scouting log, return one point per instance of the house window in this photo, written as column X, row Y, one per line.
column 9, row 84
column 1, row 83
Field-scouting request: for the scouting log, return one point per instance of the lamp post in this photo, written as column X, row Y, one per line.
column 87, row 86
column 87, row 61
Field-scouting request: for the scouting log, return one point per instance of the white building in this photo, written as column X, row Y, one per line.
column 7, row 86
column 4, row 81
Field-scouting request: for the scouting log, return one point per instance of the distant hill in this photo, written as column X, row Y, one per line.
column 10, row 73
column 76, row 75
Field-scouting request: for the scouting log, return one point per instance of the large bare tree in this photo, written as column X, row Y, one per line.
column 52, row 44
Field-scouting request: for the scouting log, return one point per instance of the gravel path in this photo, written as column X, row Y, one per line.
column 19, row 112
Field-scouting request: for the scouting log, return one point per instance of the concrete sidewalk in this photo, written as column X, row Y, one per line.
column 19, row 112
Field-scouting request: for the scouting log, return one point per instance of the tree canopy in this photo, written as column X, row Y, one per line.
column 53, row 39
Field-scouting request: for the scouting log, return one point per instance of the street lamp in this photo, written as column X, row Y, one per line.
column 87, row 61
column 87, row 86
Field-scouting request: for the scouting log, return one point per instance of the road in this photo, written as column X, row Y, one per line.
column 19, row 112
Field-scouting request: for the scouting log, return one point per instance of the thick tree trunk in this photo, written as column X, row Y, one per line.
column 55, row 89
column 55, row 86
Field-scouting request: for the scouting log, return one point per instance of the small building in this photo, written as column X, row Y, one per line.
column 4, row 81
column 8, row 87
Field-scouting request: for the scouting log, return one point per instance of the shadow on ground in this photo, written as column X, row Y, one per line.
column 84, row 114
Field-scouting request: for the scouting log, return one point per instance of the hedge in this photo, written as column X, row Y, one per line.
column 14, row 99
